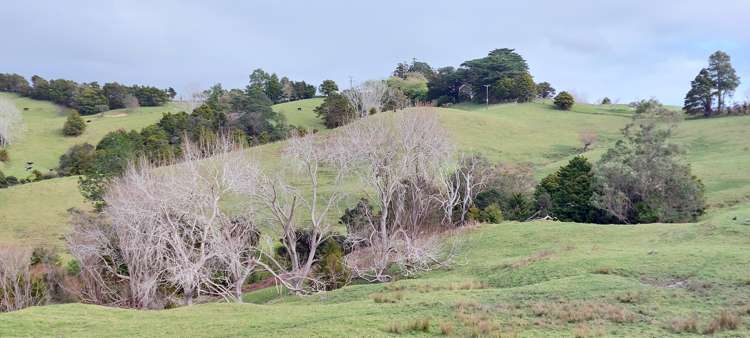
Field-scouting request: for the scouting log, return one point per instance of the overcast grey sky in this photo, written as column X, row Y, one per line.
column 621, row 49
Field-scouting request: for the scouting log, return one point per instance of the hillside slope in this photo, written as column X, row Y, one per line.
column 534, row 132
column 535, row 279
column 43, row 141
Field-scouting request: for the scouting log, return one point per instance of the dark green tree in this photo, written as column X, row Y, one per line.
column 606, row 101
column 569, row 192
column 116, row 94
column 335, row 111
column 328, row 87
column 488, row 70
column 545, row 90
column 699, row 98
column 564, row 101
column 90, row 100
column 724, row 77
column 77, row 160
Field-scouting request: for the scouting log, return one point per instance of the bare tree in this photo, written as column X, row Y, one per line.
column 301, row 205
column 11, row 123
column 461, row 187
column 587, row 138
column 386, row 153
column 367, row 97
column 15, row 279
column 131, row 103
column 167, row 225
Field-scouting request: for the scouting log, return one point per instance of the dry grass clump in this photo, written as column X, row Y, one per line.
column 446, row 328
column 574, row 312
column 419, row 324
column 393, row 297
column 684, row 325
column 526, row 261
column 726, row 320
column 584, row 331
column 630, row 297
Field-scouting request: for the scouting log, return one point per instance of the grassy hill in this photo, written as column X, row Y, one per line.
column 43, row 141
column 537, row 279
column 300, row 113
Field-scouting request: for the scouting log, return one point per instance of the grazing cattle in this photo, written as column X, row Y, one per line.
column 25, row 108
column 88, row 121
column 29, row 163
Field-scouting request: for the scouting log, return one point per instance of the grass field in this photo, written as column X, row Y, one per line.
column 301, row 118
column 536, row 279
column 43, row 141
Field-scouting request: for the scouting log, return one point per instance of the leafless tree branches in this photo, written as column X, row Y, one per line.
column 15, row 279
column 367, row 97
column 11, row 123
column 389, row 154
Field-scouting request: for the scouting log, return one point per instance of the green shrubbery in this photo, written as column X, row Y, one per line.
column 74, row 125
column 564, row 101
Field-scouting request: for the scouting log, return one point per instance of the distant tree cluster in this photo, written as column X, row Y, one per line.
column 501, row 76
column 87, row 98
column 283, row 89
column 711, row 87
column 244, row 114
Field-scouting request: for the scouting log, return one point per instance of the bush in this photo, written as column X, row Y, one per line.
column 4, row 157
column 77, row 160
column 567, row 193
column 642, row 178
column 74, row 125
column 606, row 100
column 564, row 101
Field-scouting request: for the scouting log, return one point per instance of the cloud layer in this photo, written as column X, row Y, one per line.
column 622, row 49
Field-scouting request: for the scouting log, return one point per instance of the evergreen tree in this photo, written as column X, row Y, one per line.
column 568, row 192
column 700, row 97
column 724, row 77
column 328, row 87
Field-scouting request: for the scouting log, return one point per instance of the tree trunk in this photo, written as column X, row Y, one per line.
column 238, row 292
column 188, row 297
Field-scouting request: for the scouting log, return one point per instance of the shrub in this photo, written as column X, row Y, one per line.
column 77, row 160
column 606, row 100
column 74, row 125
column 567, row 193
column 564, row 101
column 642, row 179
column 4, row 157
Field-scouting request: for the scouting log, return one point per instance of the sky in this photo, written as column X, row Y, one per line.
column 625, row 50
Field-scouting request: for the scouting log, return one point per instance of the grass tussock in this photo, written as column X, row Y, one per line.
column 584, row 331
column 416, row 325
column 630, row 297
column 526, row 261
column 725, row 320
column 576, row 312
column 392, row 297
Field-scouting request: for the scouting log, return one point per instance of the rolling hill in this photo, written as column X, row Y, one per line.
column 534, row 279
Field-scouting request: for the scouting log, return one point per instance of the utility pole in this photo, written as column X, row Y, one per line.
column 351, row 82
column 487, row 95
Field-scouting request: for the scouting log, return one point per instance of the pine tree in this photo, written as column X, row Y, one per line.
column 699, row 99
column 724, row 77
